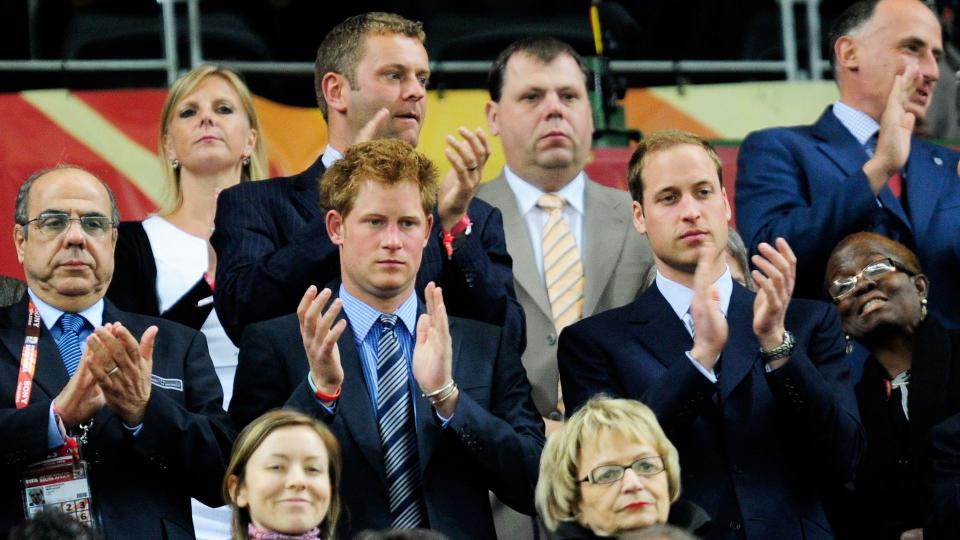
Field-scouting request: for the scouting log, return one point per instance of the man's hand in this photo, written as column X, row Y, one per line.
column 775, row 277
column 460, row 185
column 320, row 336
column 896, row 127
column 123, row 368
column 710, row 336
column 371, row 130
column 81, row 398
column 433, row 353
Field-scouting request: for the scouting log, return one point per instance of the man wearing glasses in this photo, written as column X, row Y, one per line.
column 134, row 399
column 755, row 396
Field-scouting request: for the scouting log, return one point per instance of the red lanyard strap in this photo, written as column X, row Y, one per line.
column 28, row 357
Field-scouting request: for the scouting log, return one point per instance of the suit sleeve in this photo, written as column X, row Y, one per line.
column 23, row 434
column 478, row 279
column 258, row 278
column 943, row 513
column 195, row 437
column 815, row 391
column 774, row 199
column 507, row 439
column 585, row 370
column 259, row 384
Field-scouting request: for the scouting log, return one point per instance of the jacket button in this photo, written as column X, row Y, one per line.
column 551, row 339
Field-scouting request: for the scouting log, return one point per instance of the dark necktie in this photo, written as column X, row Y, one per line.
column 398, row 435
column 69, row 341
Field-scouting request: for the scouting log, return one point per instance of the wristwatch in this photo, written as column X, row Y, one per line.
column 783, row 350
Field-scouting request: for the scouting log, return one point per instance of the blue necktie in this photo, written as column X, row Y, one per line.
column 69, row 341
column 398, row 435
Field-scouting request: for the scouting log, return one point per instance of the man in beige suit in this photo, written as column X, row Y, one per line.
column 572, row 241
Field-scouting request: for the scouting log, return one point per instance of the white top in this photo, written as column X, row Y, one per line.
column 527, row 195
column 182, row 260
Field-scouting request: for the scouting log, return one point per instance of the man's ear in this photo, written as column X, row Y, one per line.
column 19, row 239
column 335, row 88
column 335, row 227
column 429, row 229
column 845, row 50
column 726, row 203
column 492, row 110
column 638, row 221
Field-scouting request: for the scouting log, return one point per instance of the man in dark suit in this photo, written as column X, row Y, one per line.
column 442, row 407
column 270, row 237
column 755, row 395
column 859, row 167
column 155, row 430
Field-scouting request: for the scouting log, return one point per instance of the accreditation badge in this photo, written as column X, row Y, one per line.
column 59, row 483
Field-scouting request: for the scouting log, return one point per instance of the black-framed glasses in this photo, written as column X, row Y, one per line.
column 608, row 474
column 53, row 224
column 842, row 288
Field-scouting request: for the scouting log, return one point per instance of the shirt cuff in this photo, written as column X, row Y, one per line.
column 332, row 408
column 443, row 421
column 54, row 437
column 708, row 373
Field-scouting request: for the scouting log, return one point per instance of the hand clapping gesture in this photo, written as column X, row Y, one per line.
column 320, row 335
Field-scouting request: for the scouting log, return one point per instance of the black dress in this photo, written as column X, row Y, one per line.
column 890, row 493
column 134, row 284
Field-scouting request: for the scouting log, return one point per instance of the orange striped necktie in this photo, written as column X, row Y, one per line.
column 562, row 268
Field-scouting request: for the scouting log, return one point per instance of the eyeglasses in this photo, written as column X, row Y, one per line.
column 842, row 288
column 53, row 224
column 608, row 474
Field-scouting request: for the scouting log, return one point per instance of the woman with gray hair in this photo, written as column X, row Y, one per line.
column 611, row 470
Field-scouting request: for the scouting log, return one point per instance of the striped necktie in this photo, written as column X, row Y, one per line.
column 398, row 435
column 69, row 341
column 562, row 269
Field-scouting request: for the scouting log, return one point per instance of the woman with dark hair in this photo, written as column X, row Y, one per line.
column 911, row 380
column 283, row 480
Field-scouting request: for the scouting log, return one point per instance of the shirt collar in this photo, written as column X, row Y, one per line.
column 330, row 156
column 679, row 296
column 528, row 194
column 50, row 315
column 362, row 317
column 857, row 122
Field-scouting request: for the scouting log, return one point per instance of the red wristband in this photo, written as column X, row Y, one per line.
column 458, row 228
column 326, row 398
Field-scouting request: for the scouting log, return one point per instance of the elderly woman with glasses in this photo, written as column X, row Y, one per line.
column 610, row 470
column 911, row 379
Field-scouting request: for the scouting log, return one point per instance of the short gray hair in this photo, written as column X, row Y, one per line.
column 21, row 217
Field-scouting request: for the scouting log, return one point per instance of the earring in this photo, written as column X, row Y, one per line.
column 923, row 308
column 849, row 348
column 245, row 161
column 175, row 163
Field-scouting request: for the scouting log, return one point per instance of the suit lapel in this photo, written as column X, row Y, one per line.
column 305, row 192
column 355, row 408
column 525, row 274
column 925, row 172
column 605, row 226
column 838, row 144
column 50, row 375
column 742, row 347
column 663, row 332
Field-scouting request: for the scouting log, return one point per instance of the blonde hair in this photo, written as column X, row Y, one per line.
column 558, row 489
column 252, row 437
column 385, row 161
column 657, row 142
column 258, row 167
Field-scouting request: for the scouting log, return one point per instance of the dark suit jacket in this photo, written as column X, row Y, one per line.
column 141, row 485
column 895, row 463
column 271, row 243
column 493, row 441
column 755, row 462
column 134, row 284
column 943, row 517
column 806, row 184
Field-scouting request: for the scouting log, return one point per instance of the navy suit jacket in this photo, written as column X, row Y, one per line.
column 943, row 519
column 807, row 185
column 756, row 449
column 271, row 243
column 493, row 442
column 141, row 485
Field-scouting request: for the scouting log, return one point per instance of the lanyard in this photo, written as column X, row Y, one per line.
column 28, row 358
